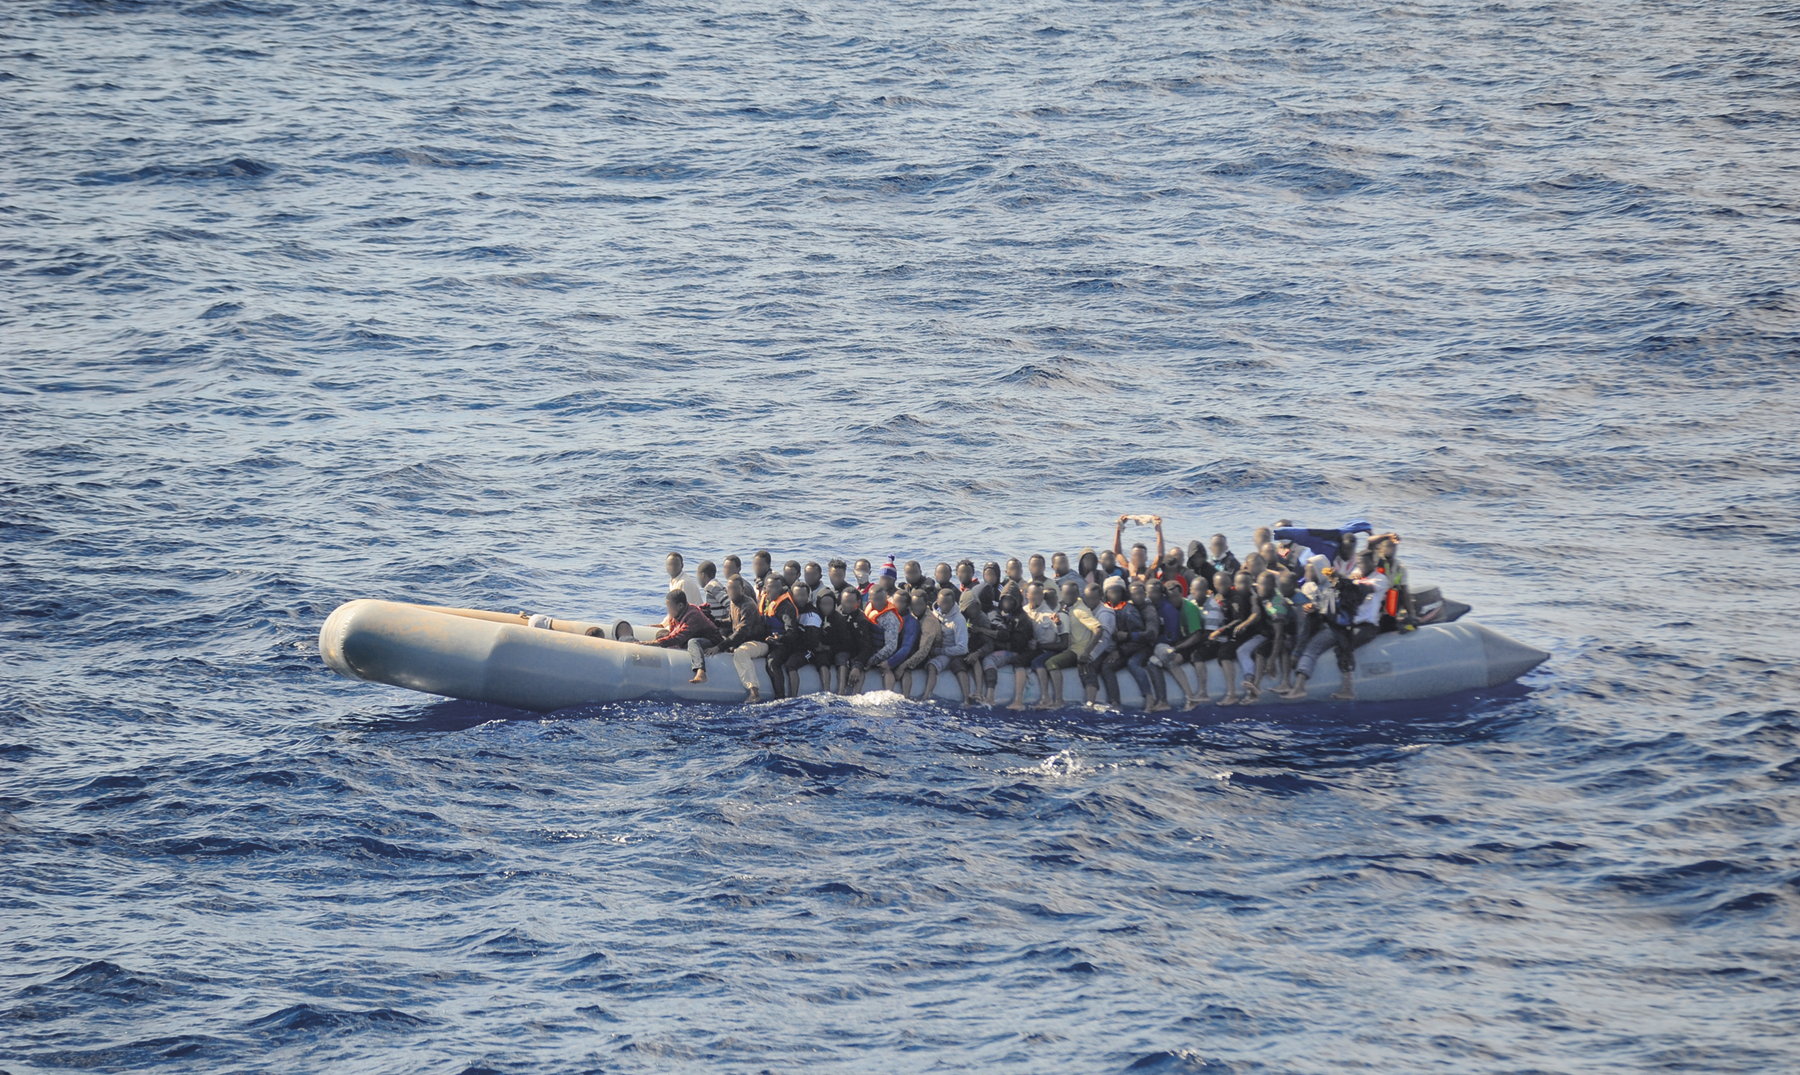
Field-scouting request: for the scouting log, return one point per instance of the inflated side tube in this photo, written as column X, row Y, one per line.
column 494, row 657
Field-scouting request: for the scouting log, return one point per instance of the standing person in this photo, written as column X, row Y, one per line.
column 814, row 577
column 1138, row 566
column 718, row 601
column 690, row 629
column 836, row 580
column 680, row 580
column 734, row 567
column 1013, row 635
column 761, row 568
column 1221, row 558
column 1087, row 565
column 749, row 635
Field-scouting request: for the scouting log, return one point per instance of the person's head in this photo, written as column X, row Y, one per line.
column 1139, row 593
column 1059, row 563
column 1034, row 595
column 1254, row 564
column 1365, row 563
column 1222, row 583
column 1139, row 553
column 733, row 566
column 1218, row 546
column 838, row 568
column 1036, row 565
column 942, row 574
column 1108, row 561
column 1014, row 569
column 990, row 573
column 1260, row 537
column 678, row 605
column 1347, row 546
column 802, row 594
column 1314, row 566
column 736, row 590
column 1287, row 582
column 1265, row 584
column 1090, row 595
column 776, row 586
column 826, row 604
column 1087, row 563
column 812, row 574
column 1173, row 560
column 1116, row 590
column 1153, row 591
column 1283, row 543
column 1269, row 552
column 673, row 564
column 1244, row 583
column 707, row 571
column 1071, row 593
column 790, row 572
column 622, row 632
column 914, row 575
column 852, row 599
column 760, row 563
column 946, row 600
column 965, row 573
column 921, row 604
column 1383, row 547
column 1009, row 601
column 878, row 598
column 863, row 567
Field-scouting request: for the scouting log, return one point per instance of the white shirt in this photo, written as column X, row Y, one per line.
column 1370, row 610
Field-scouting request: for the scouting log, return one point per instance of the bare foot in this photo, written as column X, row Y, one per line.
column 1344, row 696
column 699, row 677
column 753, row 697
column 1229, row 699
column 1018, row 706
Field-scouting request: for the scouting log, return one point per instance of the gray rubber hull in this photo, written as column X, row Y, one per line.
column 490, row 657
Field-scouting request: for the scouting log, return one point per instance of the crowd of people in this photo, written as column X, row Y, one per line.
column 1271, row 615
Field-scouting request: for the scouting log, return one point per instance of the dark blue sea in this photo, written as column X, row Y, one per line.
column 493, row 304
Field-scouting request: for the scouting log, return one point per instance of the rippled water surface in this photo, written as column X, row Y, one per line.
column 492, row 304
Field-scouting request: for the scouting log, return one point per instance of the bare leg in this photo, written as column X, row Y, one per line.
column 931, row 678
column 1229, row 665
column 1298, row 690
column 1348, row 691
column 966, row 683
column 1018, row 698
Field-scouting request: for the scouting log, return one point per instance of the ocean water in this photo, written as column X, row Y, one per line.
column 493, row 304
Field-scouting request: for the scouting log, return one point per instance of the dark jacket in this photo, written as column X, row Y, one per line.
column 694, row 623
column 747, row 624
column 1014, row 632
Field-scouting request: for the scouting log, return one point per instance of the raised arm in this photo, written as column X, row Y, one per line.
column 1118, row 535
column 1160, row 552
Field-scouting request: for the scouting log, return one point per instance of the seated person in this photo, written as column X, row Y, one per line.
column 1013, row 637
column 689, row 628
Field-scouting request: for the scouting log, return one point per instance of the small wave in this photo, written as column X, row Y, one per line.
column 235, row 168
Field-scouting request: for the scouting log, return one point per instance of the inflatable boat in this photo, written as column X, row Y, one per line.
column 503, row 659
